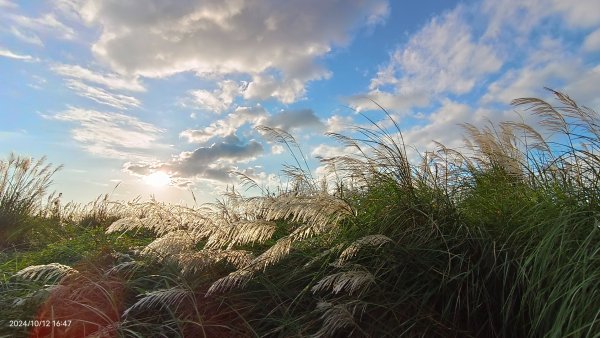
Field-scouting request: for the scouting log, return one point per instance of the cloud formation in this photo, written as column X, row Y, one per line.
column 11, row 55
column 218, row 100
column 443, row 57
column 277, row 45
column 110, row 134
column 251, row 117
column 228, row 125
column 485, row 55
column 48, row 24
column 293, row 119
column 7, row 4
column 101, row 87
column 212, row 163
column 106, row 79
column 118, row 101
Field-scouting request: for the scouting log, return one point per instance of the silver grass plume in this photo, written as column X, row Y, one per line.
column 191, row 262
column 317, row 214
column 46, row 272
column 241, row 233
column 336, row 317
column 319, row 210
column 376, row 241
column 235, row 279
column 169, row 245
column 166, row 297
column 348, row 281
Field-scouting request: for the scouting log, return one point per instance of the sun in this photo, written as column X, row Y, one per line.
column 158, row 179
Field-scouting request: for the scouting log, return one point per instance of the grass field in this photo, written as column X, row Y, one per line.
column 499, row 239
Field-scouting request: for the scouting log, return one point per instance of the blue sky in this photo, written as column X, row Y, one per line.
column 117, row 91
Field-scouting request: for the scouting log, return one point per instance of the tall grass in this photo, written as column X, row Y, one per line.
column 498, row 240
column 23, row 183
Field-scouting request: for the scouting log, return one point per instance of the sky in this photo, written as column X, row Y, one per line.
column 163, row 97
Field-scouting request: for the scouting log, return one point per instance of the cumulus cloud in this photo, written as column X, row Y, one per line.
column 293, row 119
column 213, row 162
column 218, row 100
column 277, row 45
column 109, row 134
column 338, row 123
column 251, row 117
column 228, row 125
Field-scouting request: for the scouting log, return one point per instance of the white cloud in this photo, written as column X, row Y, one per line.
column 102, row 96
column 583, row 13
column 7, row 4
column 287, row 120
column 584, row 85
column 547, row 64
column 213, row 163
column 112, row 135
column 516, row 19
column 513, row 18
column 457, row 51
column 228, row 125
column 48, row 24
column 444, row 57
column 218, row 100
column 279, row 46
column 527, row 81
column 293, row 119
column 277, row 149
column 442, row 126
column 487, row 53
column 108, row 80
column 11, row 55
column 401, row 100
column 327, row 151
column 31, row 38
column 337, row 123
column 592, row 41
column 38, row 82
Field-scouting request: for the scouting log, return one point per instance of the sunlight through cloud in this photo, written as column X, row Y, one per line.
column 157, row 179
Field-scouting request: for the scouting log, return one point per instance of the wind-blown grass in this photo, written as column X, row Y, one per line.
column 23, row 183
column 499, row 240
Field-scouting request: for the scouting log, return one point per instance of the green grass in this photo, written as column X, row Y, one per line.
column 501, row 240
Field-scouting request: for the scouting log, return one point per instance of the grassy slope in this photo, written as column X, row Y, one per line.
column 465, row 250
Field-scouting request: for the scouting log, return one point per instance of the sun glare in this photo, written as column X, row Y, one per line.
column 158, row 179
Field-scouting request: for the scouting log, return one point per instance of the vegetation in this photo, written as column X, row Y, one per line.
column 23, row 183
column 500, row 239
